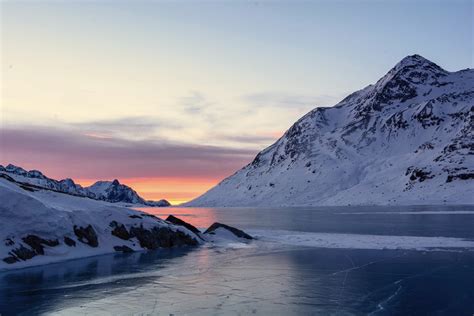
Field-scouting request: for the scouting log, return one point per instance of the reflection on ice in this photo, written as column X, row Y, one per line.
column 305, row 261
column 359, row 241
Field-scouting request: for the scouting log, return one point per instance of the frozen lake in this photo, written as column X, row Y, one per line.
column 338, row 260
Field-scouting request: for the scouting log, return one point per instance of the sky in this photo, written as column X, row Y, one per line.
column 172, row 97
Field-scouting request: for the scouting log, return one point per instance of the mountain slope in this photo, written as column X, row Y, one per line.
column 43, row 226
column 39, row 226
column 109, row 191
column 407, row 139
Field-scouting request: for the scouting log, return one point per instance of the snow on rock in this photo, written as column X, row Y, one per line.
column 40, row 226
column 177, row 221
column 225, row 236
column 214, row 228
column 407, row 139
column 110, row 191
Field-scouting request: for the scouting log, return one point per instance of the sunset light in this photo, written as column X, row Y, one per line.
column 235, row 157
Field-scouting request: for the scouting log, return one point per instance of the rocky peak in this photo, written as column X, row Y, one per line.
column 411, row 77
column 35, row 174
column 16, row 170
column 68, row 182
column 417, row 61
column 115, row 182
column 413, row 69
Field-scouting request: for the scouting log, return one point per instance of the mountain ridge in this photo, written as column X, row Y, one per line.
column 109, row 191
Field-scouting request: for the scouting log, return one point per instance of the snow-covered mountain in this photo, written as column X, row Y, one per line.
column 110, row 191
column 407, row 139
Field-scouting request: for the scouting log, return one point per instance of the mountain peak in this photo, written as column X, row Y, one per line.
column 417, row 62
column 405, row 139
column 412, row 60
column 115, row 182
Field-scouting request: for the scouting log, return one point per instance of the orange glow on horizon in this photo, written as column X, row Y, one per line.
column 175, row 190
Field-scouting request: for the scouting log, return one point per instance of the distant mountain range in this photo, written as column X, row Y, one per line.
column 407, row 139
column 109, row 191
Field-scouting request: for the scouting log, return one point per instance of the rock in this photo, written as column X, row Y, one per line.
column 23, row 253
column 10, row 260
column 237, row 232
column 68, row 241
column 180, row 222
column 120, row 231
column 460, row 176
column 9, row 242
column 37, row 248
column 160, row 203
column 86, row 235
column 123, row 248
column 38, row 243
column 161, row 237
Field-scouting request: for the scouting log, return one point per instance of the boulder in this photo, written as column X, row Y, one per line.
column 123, row 248
column 177, row 221
column 70, row 242
column 237, row 232
column 161, row 237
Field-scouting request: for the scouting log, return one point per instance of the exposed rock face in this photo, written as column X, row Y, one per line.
column 86, row 235
column 69, row 242
column 120, row 231
column 417, row 116
column 36, row 247
column 20, row 253
column 237, row 232
column 161, row 237
column 38, row 243
column 155, row 237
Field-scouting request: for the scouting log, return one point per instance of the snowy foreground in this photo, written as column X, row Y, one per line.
column 40, row 226
column 408, row 139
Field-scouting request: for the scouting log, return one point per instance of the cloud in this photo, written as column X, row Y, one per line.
column 267, row 139
column 289, row 100
column 194, row 103
column 134, row 126
column 66, row 153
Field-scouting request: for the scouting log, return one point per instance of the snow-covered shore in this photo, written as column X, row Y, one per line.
column 40, row 226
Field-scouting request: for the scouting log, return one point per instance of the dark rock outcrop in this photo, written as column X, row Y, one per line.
column 23, row 253
column 123, row 248
column 10, row 259
column 161, row 237
column 86, row 235
column 460, row 176
column 119, row 231
column 177, row 221
column 38, row 243
column 237, row 232
column 68, row 241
